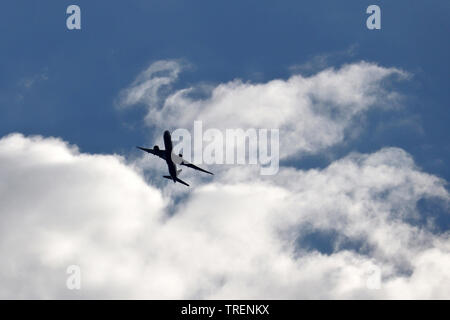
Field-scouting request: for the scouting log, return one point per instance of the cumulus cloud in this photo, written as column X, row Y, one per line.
column 241, row 236
column 312, row 113
column 56, row 203
column 318, row 233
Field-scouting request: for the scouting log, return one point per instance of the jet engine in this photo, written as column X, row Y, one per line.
column 156, row 148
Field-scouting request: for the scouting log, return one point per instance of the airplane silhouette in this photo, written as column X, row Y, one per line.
column 172, row 159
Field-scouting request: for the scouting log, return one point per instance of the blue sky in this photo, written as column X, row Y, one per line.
column 251, row 40
column 369, row 209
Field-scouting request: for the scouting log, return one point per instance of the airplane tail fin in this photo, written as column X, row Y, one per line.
column 177, row 179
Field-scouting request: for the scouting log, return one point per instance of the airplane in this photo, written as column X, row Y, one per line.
column 172, row 159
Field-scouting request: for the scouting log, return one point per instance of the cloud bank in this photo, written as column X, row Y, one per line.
column 317, row 233
column 228, row 239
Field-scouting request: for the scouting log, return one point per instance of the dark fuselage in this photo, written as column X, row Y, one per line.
column 168, row 146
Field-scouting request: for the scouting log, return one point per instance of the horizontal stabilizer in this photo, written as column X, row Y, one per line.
column 181, row 181
column 177, row 180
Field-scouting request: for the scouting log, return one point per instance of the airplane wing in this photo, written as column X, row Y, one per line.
column 157, row 152
column 193, row 166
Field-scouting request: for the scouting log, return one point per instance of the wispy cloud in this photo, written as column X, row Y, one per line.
column 145, row 88
column 325, row 60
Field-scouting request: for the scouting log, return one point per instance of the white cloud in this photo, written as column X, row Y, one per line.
column 145, row 88
column 59, row 207
column 312, row 113
column 239, row 236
